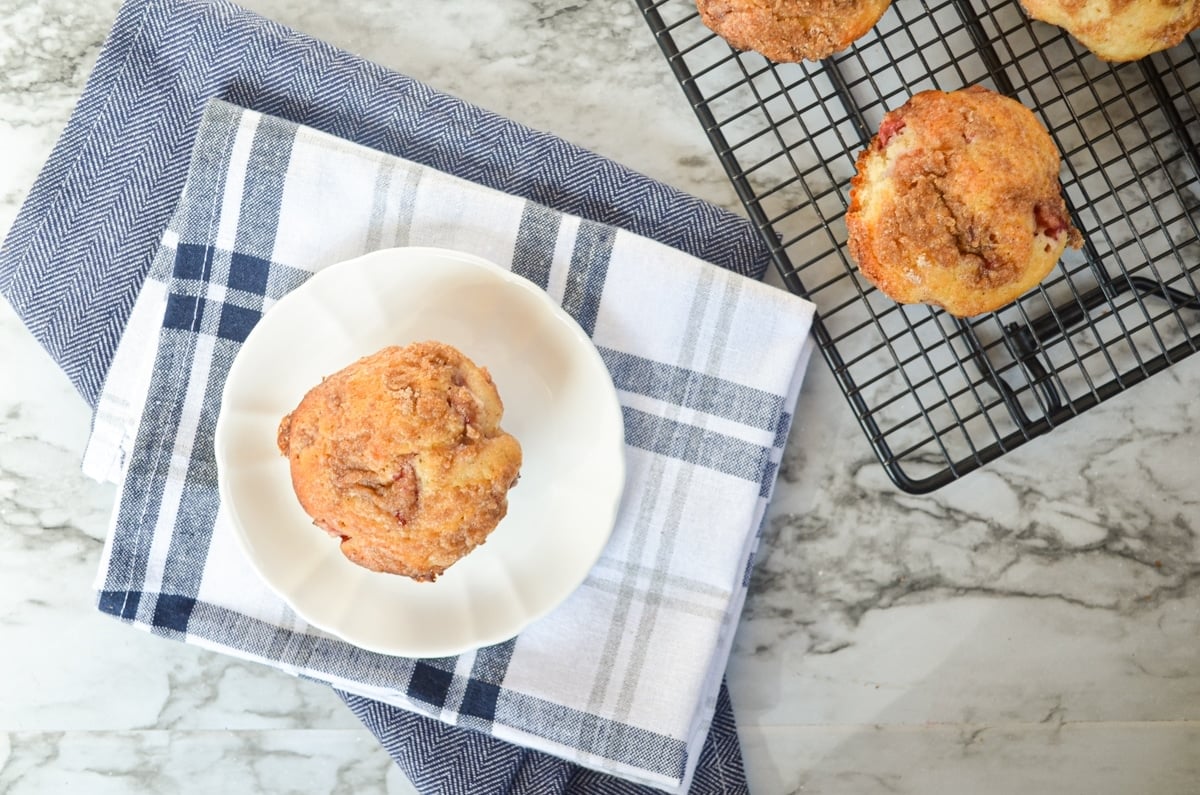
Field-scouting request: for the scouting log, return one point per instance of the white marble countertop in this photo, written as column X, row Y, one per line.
column 1034, row 627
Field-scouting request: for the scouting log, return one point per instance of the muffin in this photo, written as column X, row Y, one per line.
column 791, row 30
column 400, row 456
column 956, row 202
column 1120, row 30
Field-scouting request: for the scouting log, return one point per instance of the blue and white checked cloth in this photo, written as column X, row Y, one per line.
column 624, row 676
column 75, row 258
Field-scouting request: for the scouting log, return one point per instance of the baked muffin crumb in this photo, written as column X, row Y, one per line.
column 788, row 31
column 956, row 202
column 1120, row 30
column 401, row 457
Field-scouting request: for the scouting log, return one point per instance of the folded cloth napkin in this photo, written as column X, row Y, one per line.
column 76, row 256
column 443, row 763
column 81, row 244
column 624, row 676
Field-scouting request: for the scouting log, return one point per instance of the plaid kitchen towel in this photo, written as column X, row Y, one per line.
column 624, row 676
column 76, row 256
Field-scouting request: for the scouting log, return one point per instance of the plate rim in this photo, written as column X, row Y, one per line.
column 610, row 507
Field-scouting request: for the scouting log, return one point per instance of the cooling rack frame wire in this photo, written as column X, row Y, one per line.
column 938, row 397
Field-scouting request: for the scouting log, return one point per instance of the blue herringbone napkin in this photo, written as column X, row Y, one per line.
column 76, row 256
column 93, row 218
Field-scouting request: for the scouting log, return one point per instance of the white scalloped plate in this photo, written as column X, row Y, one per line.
column 559, row 402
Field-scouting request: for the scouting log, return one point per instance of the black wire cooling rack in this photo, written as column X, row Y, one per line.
column 937, row 396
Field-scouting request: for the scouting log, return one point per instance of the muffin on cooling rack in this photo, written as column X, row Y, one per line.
column 956, row 202
column 401, row 456
column 1120, row 30
column 791, row 30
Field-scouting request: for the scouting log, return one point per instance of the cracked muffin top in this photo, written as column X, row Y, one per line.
column 956, row 202
column 401, row 457
column 787, row 31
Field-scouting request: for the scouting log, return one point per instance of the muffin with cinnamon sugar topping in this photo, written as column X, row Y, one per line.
column 1120, row 30
column 788, row 31
column 956, row 202
column 401, row 457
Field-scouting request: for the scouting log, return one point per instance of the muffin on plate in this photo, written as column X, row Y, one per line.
column 1120, row 30
column 956, row 202
column 791, row 30
column 401, row 457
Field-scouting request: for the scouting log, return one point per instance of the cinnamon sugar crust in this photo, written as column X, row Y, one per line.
column 401, row 457
column 956, row 203
column 787, row 31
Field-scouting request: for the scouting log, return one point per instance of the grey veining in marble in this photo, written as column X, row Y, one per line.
column 1034, row 627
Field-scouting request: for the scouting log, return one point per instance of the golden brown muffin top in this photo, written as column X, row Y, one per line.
column 957, row 202
column 791, row 30
column 401, row 456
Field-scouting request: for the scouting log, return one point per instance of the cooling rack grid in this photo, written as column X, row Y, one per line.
column 937, row 396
